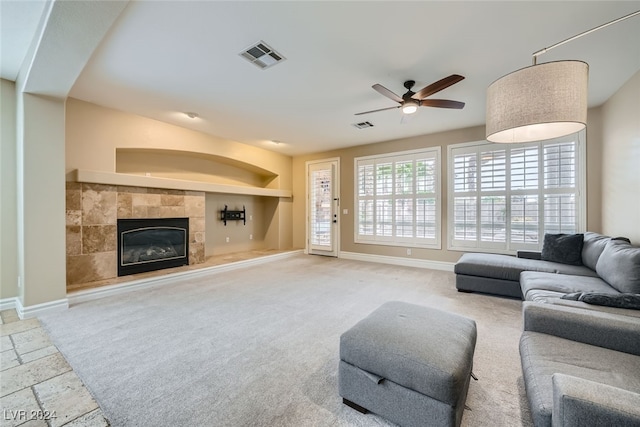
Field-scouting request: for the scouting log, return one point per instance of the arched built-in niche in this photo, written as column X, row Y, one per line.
column 191, row 166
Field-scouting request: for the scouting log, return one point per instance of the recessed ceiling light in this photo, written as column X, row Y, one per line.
column 191, row 114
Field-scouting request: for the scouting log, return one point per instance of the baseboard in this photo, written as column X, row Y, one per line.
column 8, row 303
column 110, row 290
column 41, row 309
column 406, row 262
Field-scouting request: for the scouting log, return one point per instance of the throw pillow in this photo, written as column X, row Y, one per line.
column 563, row 248
column 619, row 266
column 630, row 301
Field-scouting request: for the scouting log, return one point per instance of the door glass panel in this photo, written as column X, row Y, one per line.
column 321, row 203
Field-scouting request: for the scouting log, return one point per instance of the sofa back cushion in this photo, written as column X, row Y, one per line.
column 619, row 265
column 592, row 248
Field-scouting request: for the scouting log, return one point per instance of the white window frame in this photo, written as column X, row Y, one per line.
column 509, row 247
column 395, row 240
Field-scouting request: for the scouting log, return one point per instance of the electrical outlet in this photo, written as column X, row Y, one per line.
column 250, row 217
column 227, row 240
column 250, row 236
column 408, row 251
column 19, row 282
column 345, row 211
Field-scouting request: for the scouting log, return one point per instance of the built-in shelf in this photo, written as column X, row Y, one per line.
column 111, row 178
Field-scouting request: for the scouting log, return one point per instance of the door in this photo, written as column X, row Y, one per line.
column 322, row 208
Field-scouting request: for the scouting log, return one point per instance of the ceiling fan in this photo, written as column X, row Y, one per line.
column 410, row 101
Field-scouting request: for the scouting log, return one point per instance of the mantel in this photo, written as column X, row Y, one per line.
column 111, row 178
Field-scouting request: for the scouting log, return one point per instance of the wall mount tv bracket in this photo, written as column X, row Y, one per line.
column 227, row 215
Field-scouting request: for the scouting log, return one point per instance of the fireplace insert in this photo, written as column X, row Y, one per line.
column 150, row 244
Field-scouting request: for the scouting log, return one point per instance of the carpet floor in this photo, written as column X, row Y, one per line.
column 258, row 346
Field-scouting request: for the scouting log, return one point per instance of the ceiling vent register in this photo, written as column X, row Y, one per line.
column 262, row 55
column 363, row 125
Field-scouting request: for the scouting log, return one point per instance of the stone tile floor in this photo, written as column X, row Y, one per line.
column 38, row 388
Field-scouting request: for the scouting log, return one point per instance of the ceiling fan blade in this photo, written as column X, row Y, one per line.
column 442, row 103
column 437, row 86
column 375, row 111
column 386, row 92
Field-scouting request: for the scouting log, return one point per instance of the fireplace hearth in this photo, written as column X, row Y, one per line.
column 150, row 244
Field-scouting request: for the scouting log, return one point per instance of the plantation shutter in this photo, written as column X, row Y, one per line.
column 505, row 197
column 397, row 199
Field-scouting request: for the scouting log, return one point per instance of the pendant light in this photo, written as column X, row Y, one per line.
column 540, row 102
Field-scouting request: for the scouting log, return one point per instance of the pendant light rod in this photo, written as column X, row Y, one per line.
column 599, row 27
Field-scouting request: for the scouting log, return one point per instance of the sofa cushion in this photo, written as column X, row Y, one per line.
column 559, row 284
column 543, row 355
column 592, row 248
column 558, row 301
column 507, row 267
column 563, row 248
column 630, row 301
column 619, row 265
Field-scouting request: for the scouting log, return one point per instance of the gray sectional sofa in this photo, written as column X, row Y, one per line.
column 580, row 347
column 529, row 277
column 581, row 367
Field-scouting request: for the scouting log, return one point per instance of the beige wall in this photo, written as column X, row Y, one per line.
column 242, row 237
column 347, row 191
column 439, row 139
column 40, row 199
column 108, row 140
column 95, row 133
column 8, row 218
column 594, row 170
column 621, row 162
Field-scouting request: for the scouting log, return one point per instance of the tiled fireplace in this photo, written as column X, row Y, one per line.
column 93, row 211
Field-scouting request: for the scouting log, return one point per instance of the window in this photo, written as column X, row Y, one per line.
column 398, row 199
column 505, row 197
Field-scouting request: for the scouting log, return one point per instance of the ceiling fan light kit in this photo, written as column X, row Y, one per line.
column 409, row 107
column 540, row 102
column 410, row 101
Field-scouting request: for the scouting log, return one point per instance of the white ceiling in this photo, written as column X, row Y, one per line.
column 162, row 58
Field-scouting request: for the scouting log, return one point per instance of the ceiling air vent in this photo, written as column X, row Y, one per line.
column 363, row 125
column 262, row 55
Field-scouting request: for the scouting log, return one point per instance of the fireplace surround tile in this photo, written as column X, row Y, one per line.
column 98, row 238
column 125, row 205
column 194, row 205
column 74, row 217
column 172, row 200
column 197, row 224
column 92, row 232
column 92, row 267
column 99, row 204
column 74, row 196
column 139, row 212
column 74, row 240
column 145, row 199
column 196, row 253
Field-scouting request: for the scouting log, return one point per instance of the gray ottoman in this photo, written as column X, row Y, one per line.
column 409, row 364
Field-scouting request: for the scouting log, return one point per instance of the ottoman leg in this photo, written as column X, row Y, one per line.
column 355, row 406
